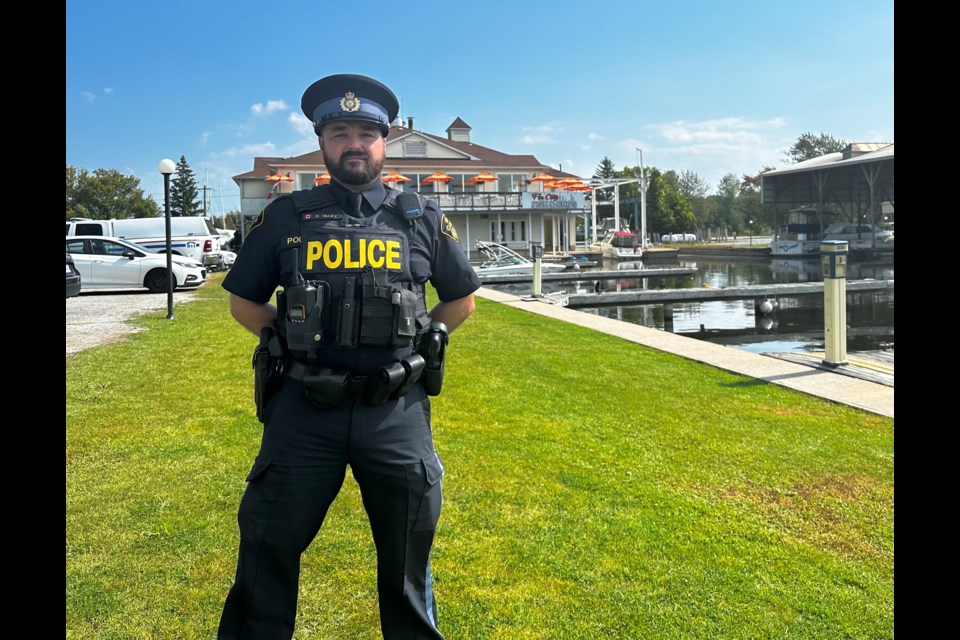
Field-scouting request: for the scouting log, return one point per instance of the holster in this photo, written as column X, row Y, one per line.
column 433, row 347
column 267, row 369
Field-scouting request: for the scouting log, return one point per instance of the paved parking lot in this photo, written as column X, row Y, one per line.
column 100, row 317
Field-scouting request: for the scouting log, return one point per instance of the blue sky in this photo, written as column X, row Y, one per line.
column 709, row 86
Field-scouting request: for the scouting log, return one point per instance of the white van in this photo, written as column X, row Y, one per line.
column 192, row 236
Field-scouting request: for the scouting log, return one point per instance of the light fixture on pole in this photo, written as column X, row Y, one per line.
column 750, row 226
column 166, row 167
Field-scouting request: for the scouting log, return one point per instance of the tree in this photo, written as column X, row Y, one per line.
column 810, row 146
column 692, row 185
column 667, row 210
column 605, row 169
column 106, row 194
column 183, row 191
column 727, row 212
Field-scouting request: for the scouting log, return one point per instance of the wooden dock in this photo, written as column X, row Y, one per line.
column 572, row 275
column 760, row 291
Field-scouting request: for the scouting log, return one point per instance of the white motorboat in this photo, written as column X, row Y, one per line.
column 621, row 245
column 799, row 235
column 504, row 261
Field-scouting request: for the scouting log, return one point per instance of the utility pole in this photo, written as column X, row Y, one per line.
column 205, row 189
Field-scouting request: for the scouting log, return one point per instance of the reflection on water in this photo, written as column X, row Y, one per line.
column 795, row 325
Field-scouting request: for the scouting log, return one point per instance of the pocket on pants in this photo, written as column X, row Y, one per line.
column 430, row 493
column 259, row 466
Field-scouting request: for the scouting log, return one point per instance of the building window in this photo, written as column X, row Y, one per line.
column 461, row 183
column 511, row 182
column 306, row 181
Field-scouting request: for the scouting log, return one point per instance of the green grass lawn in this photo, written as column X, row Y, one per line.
column 594, row 488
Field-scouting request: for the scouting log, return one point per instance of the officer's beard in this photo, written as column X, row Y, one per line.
column 355, row 173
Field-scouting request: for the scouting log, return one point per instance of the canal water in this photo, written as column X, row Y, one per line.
column 796, row 325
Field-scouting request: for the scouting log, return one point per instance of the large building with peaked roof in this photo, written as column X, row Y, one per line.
column 514, row 208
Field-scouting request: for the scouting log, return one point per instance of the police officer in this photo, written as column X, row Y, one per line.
column 357, row 353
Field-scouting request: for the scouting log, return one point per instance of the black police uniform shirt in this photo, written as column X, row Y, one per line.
column 266, row 258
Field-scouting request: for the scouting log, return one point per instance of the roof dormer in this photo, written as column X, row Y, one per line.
column 458, row 131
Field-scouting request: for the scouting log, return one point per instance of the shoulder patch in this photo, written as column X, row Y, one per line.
column 447, row 228
column 258, row 221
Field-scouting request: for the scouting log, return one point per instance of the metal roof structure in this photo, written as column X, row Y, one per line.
column 855, row 180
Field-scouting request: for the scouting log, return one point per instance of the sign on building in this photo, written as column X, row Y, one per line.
column 566, row 200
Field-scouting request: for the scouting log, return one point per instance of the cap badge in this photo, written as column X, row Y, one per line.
column 349, row 102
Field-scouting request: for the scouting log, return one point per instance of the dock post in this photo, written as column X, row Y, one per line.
column 833, row 256
column 536, row 249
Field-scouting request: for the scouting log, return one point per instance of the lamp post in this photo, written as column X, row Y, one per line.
column 166, row 167
column 750, row 226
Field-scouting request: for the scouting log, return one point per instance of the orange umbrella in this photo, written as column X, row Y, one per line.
column 483, row 177
column 439, row 176
column 568, row 182
column 322, row 179
column 390, row 178
column 578, row 187
column 542, row 177
column 553, row 185
column 277, row 179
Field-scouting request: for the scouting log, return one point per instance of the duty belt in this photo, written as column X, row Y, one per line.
column 326, row 387
column 354, row 384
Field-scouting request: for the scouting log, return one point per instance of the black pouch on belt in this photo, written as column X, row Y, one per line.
column 413, row 366
column 324, row 387
column 384, row 383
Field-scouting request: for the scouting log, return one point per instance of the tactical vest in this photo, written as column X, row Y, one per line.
column 367, row 309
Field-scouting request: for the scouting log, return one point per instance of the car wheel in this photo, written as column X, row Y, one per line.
column 156, row 281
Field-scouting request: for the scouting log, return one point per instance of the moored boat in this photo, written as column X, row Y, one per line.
column 799, row 235
column 621, row 245
column 502, row 260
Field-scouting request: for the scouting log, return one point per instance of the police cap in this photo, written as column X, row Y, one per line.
column 348, row 96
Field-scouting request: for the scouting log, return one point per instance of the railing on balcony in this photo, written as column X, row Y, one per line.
column 460, row 202
column 493, row 201
column 475, row 201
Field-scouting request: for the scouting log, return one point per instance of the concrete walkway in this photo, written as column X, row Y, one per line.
column 863, row 394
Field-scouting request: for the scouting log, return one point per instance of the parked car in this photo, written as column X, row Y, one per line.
column 73, row 278
column 111, row 263
column 191, row 236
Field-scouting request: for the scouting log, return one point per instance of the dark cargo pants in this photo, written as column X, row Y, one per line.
column 296, row 476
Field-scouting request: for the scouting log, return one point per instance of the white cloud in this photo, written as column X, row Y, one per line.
column 710, row 148
column 90, row 97
column 260, row 109
column 204, row 137
column 594, row 136
column 537, row 138
column 566, row 165
column 108, row 90
column 248, row 150
column 735, row 130
column 301, row 125
column 540, row 134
